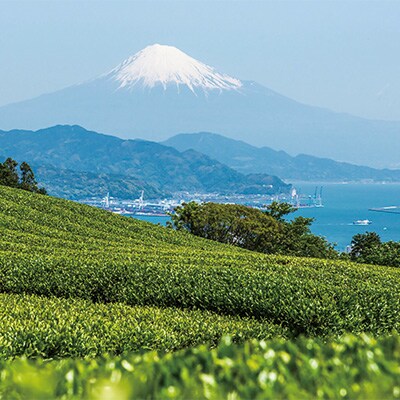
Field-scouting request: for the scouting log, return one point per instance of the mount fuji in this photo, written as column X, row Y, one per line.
column 161, row 91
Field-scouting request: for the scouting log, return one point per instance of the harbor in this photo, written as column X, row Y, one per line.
column 163, row 207
column 334, row 208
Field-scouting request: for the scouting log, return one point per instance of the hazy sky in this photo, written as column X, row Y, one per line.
column 343, row 55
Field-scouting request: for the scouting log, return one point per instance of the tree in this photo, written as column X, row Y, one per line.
column 279, row 210
column 8, row 173
column 227, row 223
column 252, row 229
column 363, row 245
column 27, row 180
column 185, row 217
column 9, row 176
column 387, row 253
column 368, row 248
column 297, row 238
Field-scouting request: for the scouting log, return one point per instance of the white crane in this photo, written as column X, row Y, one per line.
column 141, row 202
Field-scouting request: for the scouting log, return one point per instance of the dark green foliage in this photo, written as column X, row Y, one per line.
column 27, row 177
column 279, row 210
column 368, row 248
column 231, row 224
column 297, row 240
column 351, row 368
column 387, row 253
column 9, row 176
column 265, row 232
column 362, row 244
column 8, row 173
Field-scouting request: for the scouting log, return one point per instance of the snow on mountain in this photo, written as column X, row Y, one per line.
column 166, row 65
column 161, row 91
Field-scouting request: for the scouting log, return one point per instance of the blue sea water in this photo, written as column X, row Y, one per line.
column 343, row 204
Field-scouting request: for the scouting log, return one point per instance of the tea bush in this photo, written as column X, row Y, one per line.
column 35, row 326
column 52, row 247
column 81, row 282
column 352, row 367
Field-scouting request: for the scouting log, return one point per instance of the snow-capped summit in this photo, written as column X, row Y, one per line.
column 166, row 65
column 161, row 91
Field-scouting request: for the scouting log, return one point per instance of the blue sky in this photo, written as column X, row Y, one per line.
column 343, row 55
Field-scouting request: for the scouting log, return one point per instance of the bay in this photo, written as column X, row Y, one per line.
column 343, row 204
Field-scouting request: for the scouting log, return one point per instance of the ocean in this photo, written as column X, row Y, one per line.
column 343, row 204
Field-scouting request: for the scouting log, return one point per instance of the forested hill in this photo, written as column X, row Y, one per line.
column 247, row 159
column 163, row 168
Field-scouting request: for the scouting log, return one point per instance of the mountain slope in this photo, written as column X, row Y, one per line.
column 161, row 91
column 164, row 168
column 167, row 65
column 76, row 185
column 248, row 159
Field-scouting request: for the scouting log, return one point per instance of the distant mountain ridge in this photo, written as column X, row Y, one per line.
column 77, row 185
column 161, row 91
column 79, row 155
column 247, row 159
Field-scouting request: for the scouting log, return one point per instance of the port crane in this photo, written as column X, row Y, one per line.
column 141, row 200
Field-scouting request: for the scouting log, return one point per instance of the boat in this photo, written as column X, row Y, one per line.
column 362, row 222
column 150, row 214
column 121, row 211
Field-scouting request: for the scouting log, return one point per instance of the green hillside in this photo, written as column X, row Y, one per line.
column 75, row 163
column 76, row 281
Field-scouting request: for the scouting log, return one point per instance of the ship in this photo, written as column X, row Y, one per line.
column 362, row 222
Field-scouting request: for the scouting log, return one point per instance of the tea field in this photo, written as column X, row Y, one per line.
column 92, row 302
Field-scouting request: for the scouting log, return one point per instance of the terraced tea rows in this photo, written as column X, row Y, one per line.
column 77, row 281
column 69, row 250
column 49, row 327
